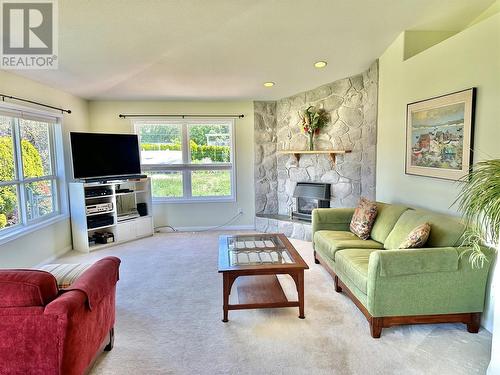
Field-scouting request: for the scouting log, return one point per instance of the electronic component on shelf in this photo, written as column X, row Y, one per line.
column 99, row 207
column 128, row 216
column 99, row 221
column 120, row 191
column 104, row 237
column 97, row 192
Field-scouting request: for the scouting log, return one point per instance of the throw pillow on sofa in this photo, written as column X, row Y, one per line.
column 417, row 237
column 363, row 218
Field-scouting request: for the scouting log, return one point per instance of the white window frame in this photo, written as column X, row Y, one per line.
column 57, row 176
column 187, row 167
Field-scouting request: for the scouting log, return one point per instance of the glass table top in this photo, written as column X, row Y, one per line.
column 251, row 250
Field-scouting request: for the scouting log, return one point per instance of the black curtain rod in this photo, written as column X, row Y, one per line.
column 181, row 116
column 32, row 102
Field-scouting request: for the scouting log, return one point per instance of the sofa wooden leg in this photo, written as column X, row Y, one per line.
column 376, row 327
column 474, row 323
column 111, row 343
column 315, row 259
column 338, row 288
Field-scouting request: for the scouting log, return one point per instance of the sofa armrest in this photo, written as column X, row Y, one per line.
column 331, row 219
column 89, row 289
column 415, row 261
column 425, row 281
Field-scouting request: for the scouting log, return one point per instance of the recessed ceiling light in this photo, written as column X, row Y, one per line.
column 268, row 84
column 320, row 64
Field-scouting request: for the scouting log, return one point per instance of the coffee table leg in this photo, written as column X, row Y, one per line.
column 226, row 289
column 300, row 290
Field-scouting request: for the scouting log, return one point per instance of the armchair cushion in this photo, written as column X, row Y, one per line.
column 24, row 288
column 330, row 242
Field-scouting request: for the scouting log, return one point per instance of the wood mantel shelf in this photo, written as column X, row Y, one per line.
column 297, row 153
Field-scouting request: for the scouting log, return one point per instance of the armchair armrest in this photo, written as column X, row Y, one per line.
column 414, row 261
column 331, row 219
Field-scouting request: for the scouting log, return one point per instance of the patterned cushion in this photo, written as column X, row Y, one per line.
column 417, row 237
column 65, row 274
column 363, row 218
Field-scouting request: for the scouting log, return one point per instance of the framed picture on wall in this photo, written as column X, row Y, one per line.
column 439, row 135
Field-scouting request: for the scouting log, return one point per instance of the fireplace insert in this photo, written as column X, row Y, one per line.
column 308, row 196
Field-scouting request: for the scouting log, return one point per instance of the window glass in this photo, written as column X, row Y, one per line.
column 9, row 208
column 7, row 163
column 210, row 144
column 185, row 174
column 35, row 146
column 211, row 183
column 166, row 184
column 161, row 143
column 39, row 199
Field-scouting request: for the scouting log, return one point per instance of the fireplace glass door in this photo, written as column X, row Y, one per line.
column 306, row 205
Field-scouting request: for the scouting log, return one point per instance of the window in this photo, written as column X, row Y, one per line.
column 188, row 160
column 29, row 183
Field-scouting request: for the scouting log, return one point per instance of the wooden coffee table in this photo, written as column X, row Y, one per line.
column 260, row 257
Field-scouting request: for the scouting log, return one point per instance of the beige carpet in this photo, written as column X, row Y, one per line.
column 169, row 309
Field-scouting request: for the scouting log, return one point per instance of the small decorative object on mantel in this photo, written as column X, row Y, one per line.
column 311, row 121
column 439, row 135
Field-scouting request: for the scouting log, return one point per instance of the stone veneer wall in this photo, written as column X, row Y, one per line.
column 266, row 173
column 352, row 104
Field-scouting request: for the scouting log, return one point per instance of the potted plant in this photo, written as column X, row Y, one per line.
column 479, row 201
column 312, row 120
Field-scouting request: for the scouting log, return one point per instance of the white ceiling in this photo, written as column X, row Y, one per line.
column 226, row 49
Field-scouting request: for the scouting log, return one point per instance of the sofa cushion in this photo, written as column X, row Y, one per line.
column 363, row 218
column 417, row 237
column 446, row 230
column 353, row 264
column 66, row 274
column 387, row 216
column 329, row 242
column 25, row 288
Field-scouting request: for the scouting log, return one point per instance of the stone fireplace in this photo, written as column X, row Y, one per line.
column 352, row 105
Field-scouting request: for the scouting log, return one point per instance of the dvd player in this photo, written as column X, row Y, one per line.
column 99, row 221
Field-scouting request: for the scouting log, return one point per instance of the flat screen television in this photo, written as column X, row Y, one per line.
column 97, row 155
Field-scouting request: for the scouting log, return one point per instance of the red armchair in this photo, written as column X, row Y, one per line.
column 46, row 331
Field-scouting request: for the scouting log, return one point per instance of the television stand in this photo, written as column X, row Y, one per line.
column 110, row 202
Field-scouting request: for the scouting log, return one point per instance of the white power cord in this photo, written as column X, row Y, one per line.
column 157, row 229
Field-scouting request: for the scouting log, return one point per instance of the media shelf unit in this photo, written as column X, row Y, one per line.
column 124, row 195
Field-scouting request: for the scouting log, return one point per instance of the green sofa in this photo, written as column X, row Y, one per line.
column 394, row 286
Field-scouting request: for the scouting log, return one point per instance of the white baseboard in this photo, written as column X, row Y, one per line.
column 54, row 257
column 211, row 228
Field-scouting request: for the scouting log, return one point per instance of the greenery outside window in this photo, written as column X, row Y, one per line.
column 29, row 173
column 188, row 160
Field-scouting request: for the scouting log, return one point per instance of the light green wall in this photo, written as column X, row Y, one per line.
column 104, row 118
column 490, row 11
column 418, row 41
column 55, row 239
column 470, row 58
